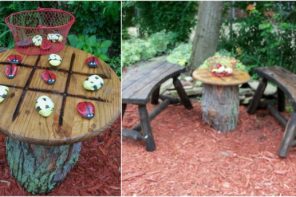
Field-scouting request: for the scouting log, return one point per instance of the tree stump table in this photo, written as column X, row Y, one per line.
column 220, row 98
column 41, row 151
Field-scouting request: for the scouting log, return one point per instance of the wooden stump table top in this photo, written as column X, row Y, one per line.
column 21, row 121
column 204, row 75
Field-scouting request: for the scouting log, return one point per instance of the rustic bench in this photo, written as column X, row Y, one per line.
column 142, row 84
column 286, row 83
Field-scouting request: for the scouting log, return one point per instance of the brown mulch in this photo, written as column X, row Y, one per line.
column 194, row 159
column 96, row 173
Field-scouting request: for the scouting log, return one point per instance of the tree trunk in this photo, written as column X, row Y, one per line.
column 220, row 106
column 40, row 168
column 207, row 32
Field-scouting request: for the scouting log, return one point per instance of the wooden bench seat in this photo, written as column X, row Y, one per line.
column 286, row 83
column 142, row 84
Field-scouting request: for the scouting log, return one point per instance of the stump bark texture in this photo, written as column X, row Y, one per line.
column 220, row 106
column 40, row 168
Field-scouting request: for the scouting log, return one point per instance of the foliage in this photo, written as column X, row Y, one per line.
column 181, row 54
column 223, row 58
column 97, row 26
column 156, row 16
column 136, row 49
column 264, row 35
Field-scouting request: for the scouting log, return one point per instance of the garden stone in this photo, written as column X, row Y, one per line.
column 270, row 89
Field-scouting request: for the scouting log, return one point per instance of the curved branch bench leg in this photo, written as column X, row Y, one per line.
column 289, row 136
column 182, row 94
column 155, row 96
column 281, row 103
column 146, row 128
column 258, row 94
column 40, row 168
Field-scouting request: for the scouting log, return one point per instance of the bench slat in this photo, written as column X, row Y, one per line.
column 285, row 80
column 140, row 82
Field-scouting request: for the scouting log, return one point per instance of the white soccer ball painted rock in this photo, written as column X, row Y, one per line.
column 54, row 59
column 93, row 83
column 56, row 37
column 37, row 40
column 3, row 93
column 44, row 106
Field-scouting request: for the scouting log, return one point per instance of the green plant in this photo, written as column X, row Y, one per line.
column 156, row 16
column 263, row 36
column 97, row 47
column 136, row 49
column 181, row 54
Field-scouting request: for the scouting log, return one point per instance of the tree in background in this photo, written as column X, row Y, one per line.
column 207, row 32
column 156, row 16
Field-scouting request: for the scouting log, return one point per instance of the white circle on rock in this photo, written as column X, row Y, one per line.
column 3, row 92
column 54, row 59
column 37, row 40
column 93, row 83
column 44, row 106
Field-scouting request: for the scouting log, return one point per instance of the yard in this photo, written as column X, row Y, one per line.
column 193, row 159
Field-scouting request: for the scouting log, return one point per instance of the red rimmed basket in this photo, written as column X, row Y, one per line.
column 25, row 25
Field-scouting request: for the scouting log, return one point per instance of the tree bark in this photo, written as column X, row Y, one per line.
column 220, row 106
column 207, row 32
column 40, row 168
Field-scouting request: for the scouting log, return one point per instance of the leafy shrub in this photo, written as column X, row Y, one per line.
column 181, row 54
column 265, row 36
column 153, row 17
column 136, row 49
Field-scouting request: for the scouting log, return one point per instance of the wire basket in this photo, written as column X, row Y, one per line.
column 40, row 32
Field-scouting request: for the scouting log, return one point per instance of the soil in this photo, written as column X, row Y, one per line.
column 191, row 158
column 96, row 173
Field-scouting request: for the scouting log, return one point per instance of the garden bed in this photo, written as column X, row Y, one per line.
column 193, row 159
column 96, row 173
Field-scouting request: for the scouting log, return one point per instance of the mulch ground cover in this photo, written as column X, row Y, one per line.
column 193, row 159
column 97, row 172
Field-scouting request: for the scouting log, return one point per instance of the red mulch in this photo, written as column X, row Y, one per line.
column 194, row 159
column 96, row 173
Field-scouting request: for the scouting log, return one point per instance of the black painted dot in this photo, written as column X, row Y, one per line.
column 46, row 106
column 44, row 99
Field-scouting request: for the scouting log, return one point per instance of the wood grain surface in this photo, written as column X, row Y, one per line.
column 139, row 82
column 65, row 125
column 205, row 76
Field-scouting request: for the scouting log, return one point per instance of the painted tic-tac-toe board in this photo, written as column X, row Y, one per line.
column 18, row 117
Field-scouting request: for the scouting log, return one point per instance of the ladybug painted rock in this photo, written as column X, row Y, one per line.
column 54, row 59
column 46, row 45
column 15, row 59
column 37, row 40
column 10, row 71
column 49, row 77
column 44, row 106
column 55, row 37
column 86, row 109
column 3, row 93
column 93, row 83
column 92, row 62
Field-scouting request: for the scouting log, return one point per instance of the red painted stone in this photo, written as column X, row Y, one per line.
column 49, row 77
column 46, row 44
column 86, row 109
column 10, row 71
column 92, row 62
column 16, row 59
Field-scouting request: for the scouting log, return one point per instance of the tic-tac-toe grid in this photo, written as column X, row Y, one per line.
column 19, row 118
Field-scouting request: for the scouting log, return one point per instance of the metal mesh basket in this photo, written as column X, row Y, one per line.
column 40, row 32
